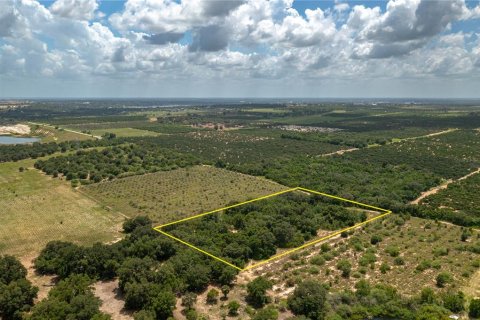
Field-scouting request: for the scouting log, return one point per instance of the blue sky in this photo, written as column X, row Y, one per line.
column 239, row 48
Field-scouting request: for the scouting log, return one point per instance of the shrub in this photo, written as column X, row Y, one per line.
column 474, row 309
column 345, row 266
column 393, row 251
column 375, row 239
column 317, row 260
column 233, row 307
column 212, row 296
column 399, row 261
column 384, row 268
column 443, row 279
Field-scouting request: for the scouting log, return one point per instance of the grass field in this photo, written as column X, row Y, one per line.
column 167, row 196
column 125, row 132
column 51, row 134
column 36, row 209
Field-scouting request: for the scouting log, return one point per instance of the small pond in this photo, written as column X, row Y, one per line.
column 17, row 140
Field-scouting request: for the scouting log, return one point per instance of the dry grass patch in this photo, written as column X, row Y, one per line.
column 35, row 209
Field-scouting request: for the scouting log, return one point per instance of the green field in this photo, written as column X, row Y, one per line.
column 51, row 134
column 36, row 209
column 171, row 195
column 125, row 132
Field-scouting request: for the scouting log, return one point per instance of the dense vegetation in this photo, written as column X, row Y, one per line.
column 457, row 203
column 16, row 292
column 240, row 152
column 109, row 163
column 151, row 269
column 256, row 230
column 35, row 150
column 395, row 163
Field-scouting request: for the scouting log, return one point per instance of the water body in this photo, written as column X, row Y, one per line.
column 17, row 140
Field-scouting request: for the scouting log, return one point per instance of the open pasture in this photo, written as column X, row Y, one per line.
column 125, row 132
column 171, row 195
column 35, row 209
column 56, row 134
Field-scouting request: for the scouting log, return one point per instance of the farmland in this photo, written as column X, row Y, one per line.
column 172, row 195
column 37, row 209
column 56, row 134
column 125, row 132
column 85, row 209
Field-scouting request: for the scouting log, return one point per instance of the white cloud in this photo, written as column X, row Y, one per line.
column 236, row 40
column 75, row 9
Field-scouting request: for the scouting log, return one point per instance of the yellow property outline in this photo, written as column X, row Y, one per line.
column 385, row 212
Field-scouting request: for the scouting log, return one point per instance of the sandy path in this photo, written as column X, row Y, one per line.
column 338, row 152
column 112, row 302
column 432, row 134
column 444, row 185
column 44, row 283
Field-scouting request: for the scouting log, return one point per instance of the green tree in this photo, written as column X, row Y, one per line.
column 309, row 299
column 474, row 309
column 225, row 291
column 144, row 315
column 71, row 298
column 11, row 269
column 131, row 224
column 163, row 305
column 15, row 297
column 188, row 300
column 256, row 291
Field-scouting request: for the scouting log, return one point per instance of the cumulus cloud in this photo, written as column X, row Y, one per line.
column 405, row 26
column 209, row 38
column 220, row 7
column 75, row 9
column 163, row 38
column 248, row 39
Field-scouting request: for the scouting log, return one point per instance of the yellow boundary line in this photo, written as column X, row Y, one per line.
column 277, row 256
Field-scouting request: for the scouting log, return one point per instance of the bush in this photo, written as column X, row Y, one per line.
column 345, row 266
column 399, row 261
column 317, row 260
column 233, row 307
column 393, row 251
column 375, row 239
column 212, row 296
column 309, row 299
column 474, row 309
column 384, row 268
column 268, row 313
column 443, row 279
column 454, row 302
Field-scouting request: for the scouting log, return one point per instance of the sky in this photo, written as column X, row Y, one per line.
column 240, row 48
